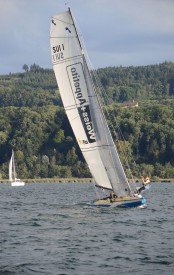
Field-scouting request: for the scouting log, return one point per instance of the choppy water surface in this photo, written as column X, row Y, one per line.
column 49, row 229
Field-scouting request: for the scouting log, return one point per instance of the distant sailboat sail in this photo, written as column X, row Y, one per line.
column 83, row 107
column 10, row 167
column 12, row 173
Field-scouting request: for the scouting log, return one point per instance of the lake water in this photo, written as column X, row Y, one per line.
column 48, row 229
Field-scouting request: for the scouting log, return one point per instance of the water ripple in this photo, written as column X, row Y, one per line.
column 51, row 229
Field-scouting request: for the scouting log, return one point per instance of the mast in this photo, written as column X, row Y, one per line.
column 75, row 29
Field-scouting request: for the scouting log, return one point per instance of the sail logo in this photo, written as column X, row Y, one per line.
column 58, row 52
column 79, row 89
column 82, row 141
column 85, row 116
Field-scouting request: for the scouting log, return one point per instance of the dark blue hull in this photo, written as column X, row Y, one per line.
column 123, row 204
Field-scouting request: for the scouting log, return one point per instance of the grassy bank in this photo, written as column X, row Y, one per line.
column 55, row 180
column 78, row 180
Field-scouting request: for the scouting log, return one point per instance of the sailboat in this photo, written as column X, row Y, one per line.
column 12, row 173
column 85, row 113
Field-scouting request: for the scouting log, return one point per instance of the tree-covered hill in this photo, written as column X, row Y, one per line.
column 145, row 82
column 43, row 143
column 35, row 87
column 33, row 122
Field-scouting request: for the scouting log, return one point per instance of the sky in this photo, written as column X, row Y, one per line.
column 116, row 32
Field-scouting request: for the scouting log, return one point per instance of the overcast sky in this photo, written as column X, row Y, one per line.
column 116, row 32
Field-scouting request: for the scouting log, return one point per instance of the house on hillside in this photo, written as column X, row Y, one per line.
column 131, row 103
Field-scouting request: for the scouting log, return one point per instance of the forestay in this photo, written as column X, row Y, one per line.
column 82, row 106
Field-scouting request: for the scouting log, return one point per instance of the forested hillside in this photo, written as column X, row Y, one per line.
column 141, row 83
column 33, row 122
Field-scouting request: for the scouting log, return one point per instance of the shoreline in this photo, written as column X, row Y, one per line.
column 54, row 180
column 78, row 180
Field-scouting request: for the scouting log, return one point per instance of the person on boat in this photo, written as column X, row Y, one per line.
column 112, row 195
column 145, row 182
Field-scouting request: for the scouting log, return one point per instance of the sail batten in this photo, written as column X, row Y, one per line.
column 83, row 107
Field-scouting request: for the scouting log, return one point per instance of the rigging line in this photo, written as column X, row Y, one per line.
column 102, row 97
column 100, row 107
column 107, row 138
column 88, row 74
column 122, row 148
column 107, row 102
column 101, row 113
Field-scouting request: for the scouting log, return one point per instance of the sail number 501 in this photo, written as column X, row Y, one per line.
column 58, row 52
column 58, row 48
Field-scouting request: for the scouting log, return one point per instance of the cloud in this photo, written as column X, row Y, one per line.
column 138, row 32
column 115, row 32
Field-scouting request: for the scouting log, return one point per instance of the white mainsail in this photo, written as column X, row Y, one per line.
column 12, row 173
column 82, row 106
column 10, row 168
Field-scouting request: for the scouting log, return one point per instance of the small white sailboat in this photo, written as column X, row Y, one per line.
column 85, row 113
column 12, row 173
